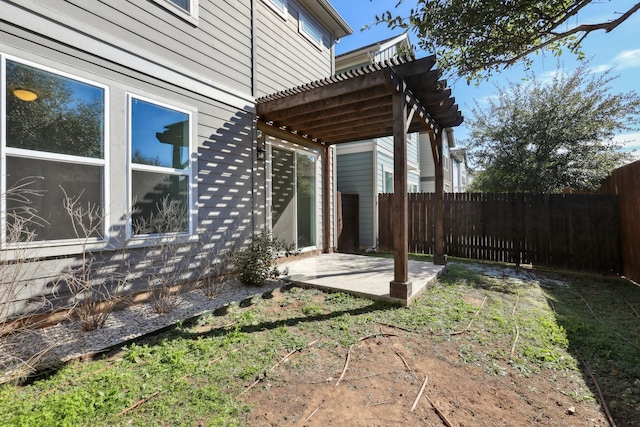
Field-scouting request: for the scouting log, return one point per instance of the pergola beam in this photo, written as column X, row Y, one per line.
column 322, row 93
column 345, row 121
column 357, row 110
column 270, row 112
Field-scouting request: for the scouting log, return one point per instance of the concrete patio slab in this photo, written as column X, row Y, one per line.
column 364, row 276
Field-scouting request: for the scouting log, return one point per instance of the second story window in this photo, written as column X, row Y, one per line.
column 311, row 30
column 279, row 6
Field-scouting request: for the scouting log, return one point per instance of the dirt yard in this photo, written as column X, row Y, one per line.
column 383, row 379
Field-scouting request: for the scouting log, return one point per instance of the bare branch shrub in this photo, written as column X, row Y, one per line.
column 167, row 260
column 18, row 269
column 215, row 266
column 94, row 297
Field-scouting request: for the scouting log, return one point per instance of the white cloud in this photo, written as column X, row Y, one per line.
column 628, row 59
column 599, row 68
column 630, row 143
column 548, row 77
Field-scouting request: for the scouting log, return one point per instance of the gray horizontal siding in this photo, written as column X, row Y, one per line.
column 284, row 57
column 412, row 147
column 219, row 47
column 355, row 173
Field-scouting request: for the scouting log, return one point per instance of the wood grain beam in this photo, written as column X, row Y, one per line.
column 357, row 122
column 358, row 107
column 270, row 113
column 322, row 93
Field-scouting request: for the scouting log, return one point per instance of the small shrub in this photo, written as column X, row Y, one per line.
column 256, row 262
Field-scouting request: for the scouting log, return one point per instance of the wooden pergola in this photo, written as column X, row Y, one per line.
column 396, row 97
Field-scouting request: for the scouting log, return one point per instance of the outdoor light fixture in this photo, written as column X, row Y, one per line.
column 262, row 154
column 25, row 94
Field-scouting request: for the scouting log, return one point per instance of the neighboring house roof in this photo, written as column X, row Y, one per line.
column 357, row 105
column 324, row 12
column 375, row 52
column 379, row 45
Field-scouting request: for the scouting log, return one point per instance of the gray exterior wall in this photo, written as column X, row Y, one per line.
column 355, row 176
column 413, row 159
column 217, row 49
column 284, row 57
column 363, row 173
column 138, row 47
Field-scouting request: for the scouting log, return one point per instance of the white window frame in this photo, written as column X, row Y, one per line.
column 446, row 156
column 282, row 11
column 189, row 172
column 303, row 21
column 190, row 15
column 49, row 156
column 272, row 142
column 385, row 172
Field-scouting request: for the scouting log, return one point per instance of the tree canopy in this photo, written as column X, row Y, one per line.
column 547, row 137
column 475, row 38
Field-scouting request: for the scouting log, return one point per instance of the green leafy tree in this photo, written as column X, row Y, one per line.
column 476, row 38
column 548, row 137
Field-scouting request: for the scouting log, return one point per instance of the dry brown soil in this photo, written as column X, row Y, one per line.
column 383, row 379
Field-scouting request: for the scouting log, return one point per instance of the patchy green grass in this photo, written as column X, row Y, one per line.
column 500, row 318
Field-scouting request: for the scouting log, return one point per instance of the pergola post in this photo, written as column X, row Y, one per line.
column 400, row 286
column 439, row 258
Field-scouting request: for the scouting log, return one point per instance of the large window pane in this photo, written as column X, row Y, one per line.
column 293, row 197
column 306, row 191
column 160, row 203
column 283, row 194
column 51, row 113
column 159, row 135
column 49, row 178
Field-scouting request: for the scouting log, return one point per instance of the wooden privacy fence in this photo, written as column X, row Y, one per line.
column 578, row 232
column 624, row 182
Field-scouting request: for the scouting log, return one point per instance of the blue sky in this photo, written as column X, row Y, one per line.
column 619, row 50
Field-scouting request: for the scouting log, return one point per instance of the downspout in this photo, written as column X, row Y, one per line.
column 376, row 183
column 254, row 129
column 254, row 20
